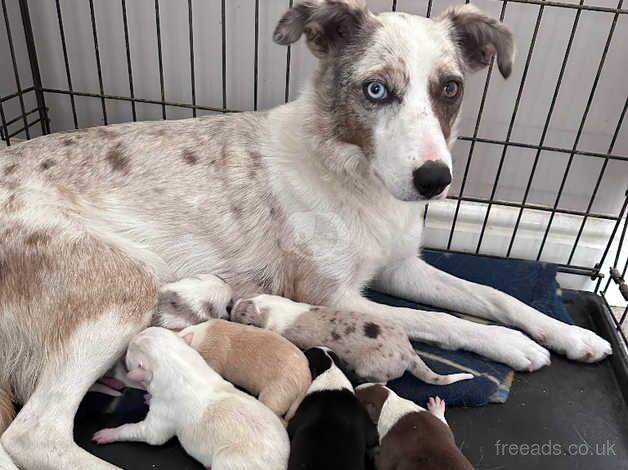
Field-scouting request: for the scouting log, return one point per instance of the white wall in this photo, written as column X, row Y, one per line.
column 530, row 118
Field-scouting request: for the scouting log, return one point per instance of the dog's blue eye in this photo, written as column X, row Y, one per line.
column 376, row 91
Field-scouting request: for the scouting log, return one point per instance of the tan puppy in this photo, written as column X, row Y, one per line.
column 260, row 361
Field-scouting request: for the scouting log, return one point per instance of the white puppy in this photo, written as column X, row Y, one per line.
column 216, row 424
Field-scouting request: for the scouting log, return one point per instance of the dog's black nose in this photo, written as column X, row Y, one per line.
column 431, row 178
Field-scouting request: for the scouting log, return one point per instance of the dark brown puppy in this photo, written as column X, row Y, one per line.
column 410, row 437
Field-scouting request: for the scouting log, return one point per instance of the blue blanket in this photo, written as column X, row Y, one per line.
column 531, row 282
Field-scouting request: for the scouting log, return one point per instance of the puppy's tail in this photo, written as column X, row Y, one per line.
column 420, row 370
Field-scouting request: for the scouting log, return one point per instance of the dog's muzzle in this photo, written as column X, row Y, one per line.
column 431, row 178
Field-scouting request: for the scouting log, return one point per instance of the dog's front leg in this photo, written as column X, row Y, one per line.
column 152, row 431
column 416, row 280
column 494, row 342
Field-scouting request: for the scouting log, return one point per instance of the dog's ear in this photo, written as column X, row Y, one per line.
column 479, row 38
column 327, row 24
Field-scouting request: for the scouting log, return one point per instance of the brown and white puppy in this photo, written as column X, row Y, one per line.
column 261, row 362
column 312, row 200
column 370, row 348
column 410, row 437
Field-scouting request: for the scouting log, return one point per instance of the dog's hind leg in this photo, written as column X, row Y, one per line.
column 40, row 437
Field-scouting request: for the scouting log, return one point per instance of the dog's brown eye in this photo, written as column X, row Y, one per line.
column 451, row 89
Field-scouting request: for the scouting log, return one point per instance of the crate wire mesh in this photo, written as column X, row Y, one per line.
column 31, row 106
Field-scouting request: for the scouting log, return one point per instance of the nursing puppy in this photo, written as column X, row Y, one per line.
column 216, row 424
column 330, row 429
column 411, row 438
column 369, row 348
column 192, row 300
column 263, row 363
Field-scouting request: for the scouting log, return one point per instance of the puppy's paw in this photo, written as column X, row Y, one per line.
column 105, row 436
column 436, row 405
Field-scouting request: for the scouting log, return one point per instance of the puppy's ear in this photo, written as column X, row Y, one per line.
column 188, row 338
column 327, row 24
column 139, row 374
column 479, row 38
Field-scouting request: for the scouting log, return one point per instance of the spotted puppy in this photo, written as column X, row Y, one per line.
column 331, row 430
column 411, row 438
column 370, row 348
column 262, row 362
column 191, row 401
column 192, row 300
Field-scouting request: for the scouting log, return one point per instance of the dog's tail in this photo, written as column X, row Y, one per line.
column 421, row 371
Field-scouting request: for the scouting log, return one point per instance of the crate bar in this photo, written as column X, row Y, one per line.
column 394, row 5
column 610, row 242
column 599, row 180
column 620, row 247
column 67, row 63
column 580, row 128
column 610, row 329
column 548, row 120
column 160, row 59
column 475, row 134
column 511, row 125
column 223, row 16
column 16, row 73
column 127, row 45
column 513, row 143
column 14, row 95
column 286, row 95
column 428, row 13
column 572, row 6
column 21, row 117
column 139, row 100
column 192, row 71
column 98, row 64
column 535, row 207
column 34, row 64
column 3, row 124
column 22, row 129
column 256, row 58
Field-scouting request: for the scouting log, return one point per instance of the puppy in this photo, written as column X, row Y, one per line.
column 369, row 349
column 410, row 437
column 216, row 424
column 260, row 361
column 192, row 300
column 330, row 430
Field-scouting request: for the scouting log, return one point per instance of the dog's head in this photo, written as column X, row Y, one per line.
column 392, row 83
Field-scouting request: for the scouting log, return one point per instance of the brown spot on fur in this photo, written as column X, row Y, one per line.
column 9, row 169
column 335, row 336
column 349, row 329
column 118, row 161
column 190, row 157
column 371, row 329
column 12, row 204
column 67, row 142
column 7, row 410
column 373, row 398
column 39, row 237
column 405, row 444
column 47, row 164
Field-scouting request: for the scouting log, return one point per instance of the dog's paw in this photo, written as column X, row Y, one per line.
column 436, row 405
column 578, row 344
column 514, row 349
column 105, row 436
